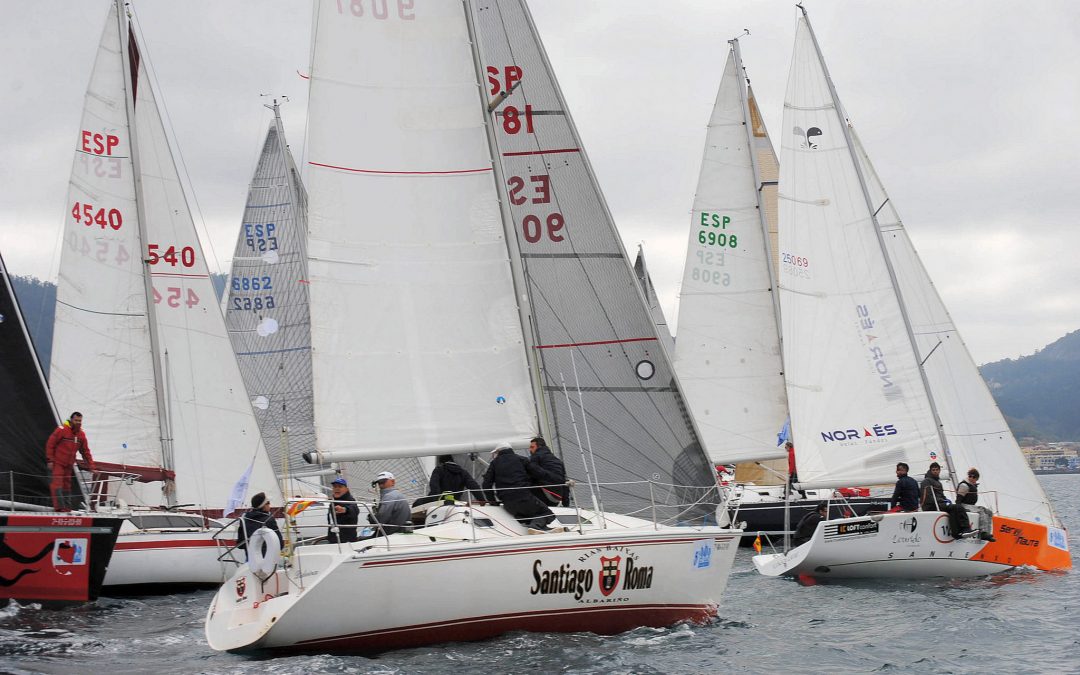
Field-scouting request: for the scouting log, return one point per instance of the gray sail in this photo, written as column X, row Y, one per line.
column 641, row 271
column 269, row 322
column 589, row 321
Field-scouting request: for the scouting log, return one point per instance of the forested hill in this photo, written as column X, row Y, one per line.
column 37, row 299
column 1040, row 394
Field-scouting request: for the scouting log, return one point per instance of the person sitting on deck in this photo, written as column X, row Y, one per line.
column 509, row 473
column 257, row 517
column 551, row 472
column 967, row 493
column 933, row 499
column 804, row 531
column 906, row 493
column 450, row 480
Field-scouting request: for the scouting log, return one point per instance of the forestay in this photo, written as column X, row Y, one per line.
column 590, row 323
column 28, row 413
column 858, row 402
column 102, row 352
column 974, row 427
column 728, row 352
column 417, row 346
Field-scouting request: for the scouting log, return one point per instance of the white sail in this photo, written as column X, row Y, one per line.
column 858, row 401
column 974, row 427
column 103, row 353
column 727, row 356
column 417, row 346
column 101, row 360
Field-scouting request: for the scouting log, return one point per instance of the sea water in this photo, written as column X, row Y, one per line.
column 1019, row 621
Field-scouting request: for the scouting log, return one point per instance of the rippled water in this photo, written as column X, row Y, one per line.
column 1022, row 621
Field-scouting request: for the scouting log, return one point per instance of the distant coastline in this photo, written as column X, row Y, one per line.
column 1048, row 472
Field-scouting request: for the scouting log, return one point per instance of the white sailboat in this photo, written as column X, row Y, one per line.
column 877, row 373
column 269, row 323
column 492, row 320
column 140, row 345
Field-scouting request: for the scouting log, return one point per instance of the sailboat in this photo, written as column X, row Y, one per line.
column 268, row 319
column 877, row 373
column 728, row 354
column 140, row 344
column 450, row 200
column 45, row 556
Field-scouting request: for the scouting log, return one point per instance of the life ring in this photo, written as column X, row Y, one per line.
column 264, row 552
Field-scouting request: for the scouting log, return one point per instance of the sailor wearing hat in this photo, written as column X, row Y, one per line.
column 393, row 513
column 346, row 514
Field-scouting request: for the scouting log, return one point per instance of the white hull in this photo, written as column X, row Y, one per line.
column 174, row 556
column 900, row 545
column 439, row 584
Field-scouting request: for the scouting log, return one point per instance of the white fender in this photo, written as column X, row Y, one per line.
column 264, row 552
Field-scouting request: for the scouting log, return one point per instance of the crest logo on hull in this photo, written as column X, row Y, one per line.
column 609, row 574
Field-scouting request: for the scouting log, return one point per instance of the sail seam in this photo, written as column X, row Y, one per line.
column 451, row 172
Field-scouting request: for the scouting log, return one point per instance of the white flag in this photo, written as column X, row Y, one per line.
column 238, row 498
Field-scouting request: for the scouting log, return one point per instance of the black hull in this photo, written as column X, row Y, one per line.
column 55, row 559
column 767, row 518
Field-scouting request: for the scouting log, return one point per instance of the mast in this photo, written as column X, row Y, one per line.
column 148, row 282
column 881, row 242
column 516, row 270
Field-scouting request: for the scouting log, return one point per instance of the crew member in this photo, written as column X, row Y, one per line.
column 933, row 499
column 906, row 492
column 449, row 478
column 967, row 493
column 550, row 474
column 346, row 514
column 258, row 516
column 793, row 475
column 392, row 514
column 60, row 450
column 804, row 531
column 510, row 476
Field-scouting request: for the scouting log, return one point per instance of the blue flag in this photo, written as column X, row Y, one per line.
column 785, row 433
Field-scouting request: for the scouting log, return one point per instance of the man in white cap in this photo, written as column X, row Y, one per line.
column 393, row 513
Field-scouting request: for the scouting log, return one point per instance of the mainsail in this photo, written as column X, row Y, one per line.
column 859, row 402
column 417, row 348
column 728, row 352
column 606, row 386
column 28, row 413
column 140, row 345
column 974, row 427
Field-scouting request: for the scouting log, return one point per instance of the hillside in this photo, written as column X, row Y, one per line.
column 1040, row 394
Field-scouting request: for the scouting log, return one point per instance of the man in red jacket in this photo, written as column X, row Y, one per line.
column 64, row 443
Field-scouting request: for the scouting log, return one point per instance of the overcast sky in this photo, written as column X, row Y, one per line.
column 969, row 110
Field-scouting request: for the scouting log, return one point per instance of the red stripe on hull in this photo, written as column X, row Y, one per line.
column 600, row 620
column 169, row 543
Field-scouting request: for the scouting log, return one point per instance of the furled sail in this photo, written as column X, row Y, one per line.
column 728, row 353
column 594, row 338
column 28, row 413
column 974, row 427
column 192, row 415
column 417, row 347
column 858, row 400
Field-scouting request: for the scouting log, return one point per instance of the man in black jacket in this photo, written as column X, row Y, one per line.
column 258, row 516
column 346, row 514
column 804, row 531
column 933, row 499
column 449, row 478
column 510, row 474
column 906, row 492
column 550, row 472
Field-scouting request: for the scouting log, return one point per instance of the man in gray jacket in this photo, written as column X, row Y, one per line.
column 393, row 513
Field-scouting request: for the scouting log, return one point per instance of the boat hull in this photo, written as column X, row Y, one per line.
column 916, row 545
column 767, row 517
column 148, row 559
column 373, row 600
column 55, row 559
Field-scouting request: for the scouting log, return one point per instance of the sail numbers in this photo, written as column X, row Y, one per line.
column 101, row 250
column 710, row 237
column 377, row 9
column 173, row 297
column 86, row 214
column 184, row 257
column 247, row 284
column 260, row 237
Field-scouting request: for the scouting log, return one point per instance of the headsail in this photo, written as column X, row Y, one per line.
column 198, row 421
column 641, row 271
column 28, row 412
column 858, row 400
column 728, row 352
column 591, row 328
column 417, row 347
column 976, row 431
